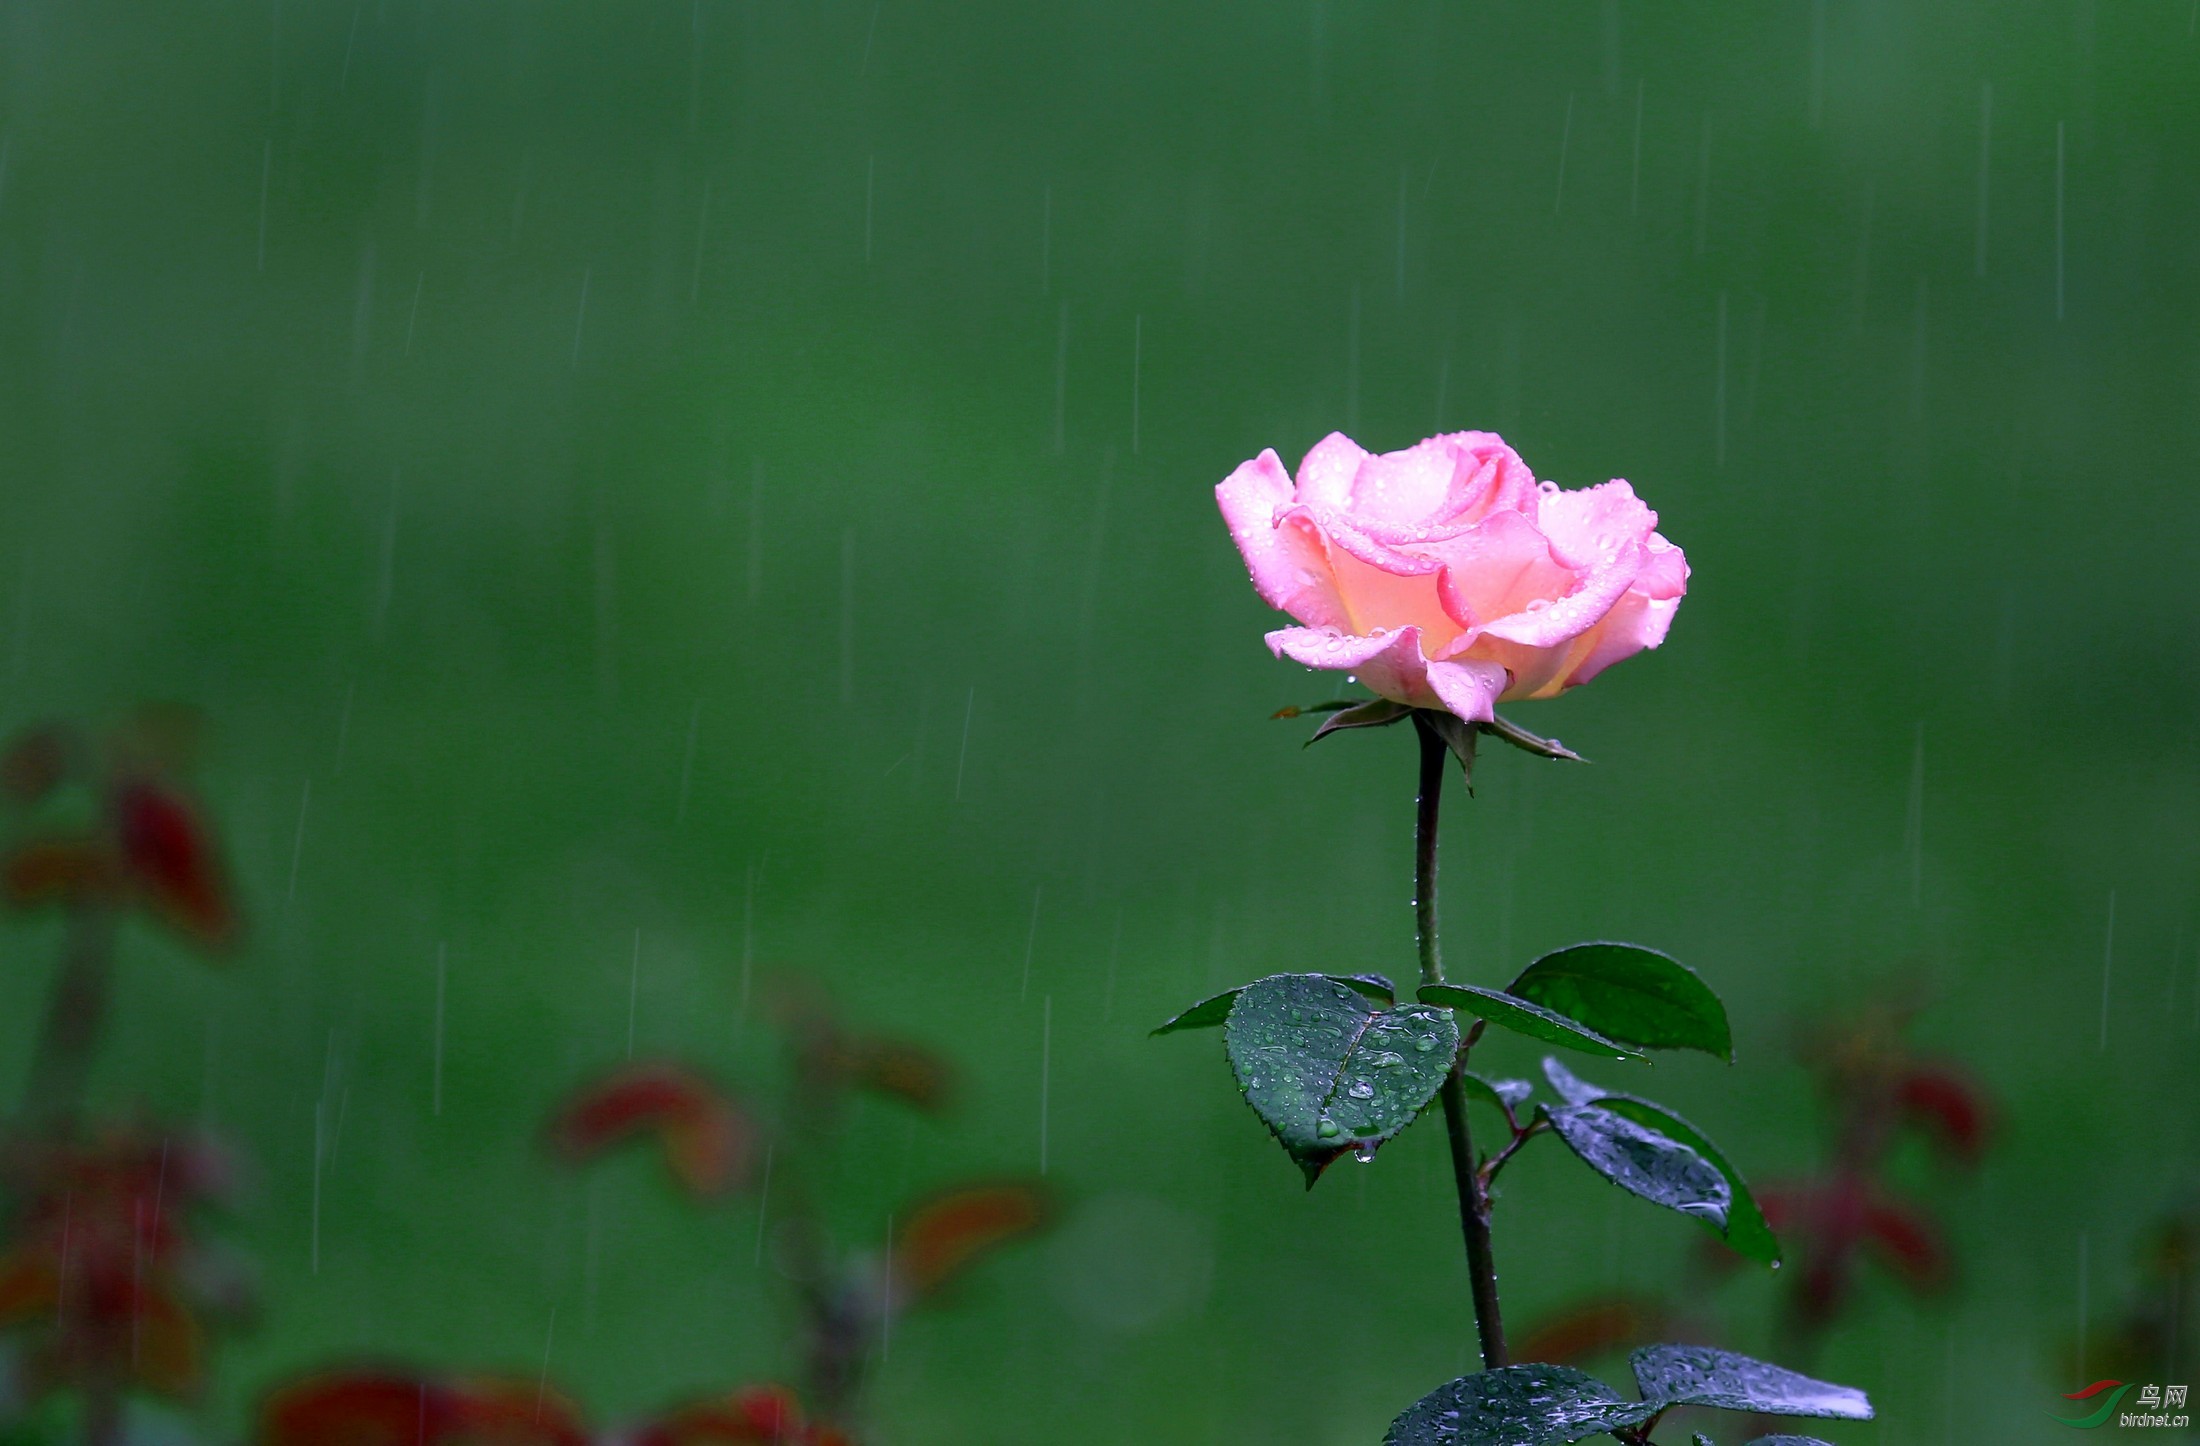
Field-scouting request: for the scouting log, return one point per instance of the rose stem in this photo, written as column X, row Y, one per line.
column 1474, row 1200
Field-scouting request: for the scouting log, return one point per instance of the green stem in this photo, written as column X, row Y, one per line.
column 1474, row 1199
column 76, row 1011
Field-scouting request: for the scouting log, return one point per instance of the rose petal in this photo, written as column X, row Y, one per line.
column 1405, row 490
column 1389, row 663
column 1496, row 568
column 1468, row 689
column 1641, row 618
column 1568, row 617
column 1326, row 472
column 1590, row 527
column 1289, row 563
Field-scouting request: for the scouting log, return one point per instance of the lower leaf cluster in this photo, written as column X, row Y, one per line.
column 1546, row 1405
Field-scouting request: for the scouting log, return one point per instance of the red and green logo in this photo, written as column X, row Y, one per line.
column 2115, row 1393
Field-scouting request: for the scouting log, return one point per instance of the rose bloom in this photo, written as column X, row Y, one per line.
column 1445, row 576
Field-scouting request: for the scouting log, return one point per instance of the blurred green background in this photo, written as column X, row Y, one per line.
column 741, row 470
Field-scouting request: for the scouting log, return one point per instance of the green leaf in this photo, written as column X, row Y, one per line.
column 1456, row 733
column 1524, row 1017
column 1210, row 1012
column 1374, row 713
column 1644, row 1162
column 1635, row 995
column 1506, row 1094
column 1747, row 1231
column 1329, row 1074
column 1374, row 986
column 1516, row 1406
column 1701, row 1376
column 1521, row 738
column 1204, row 1015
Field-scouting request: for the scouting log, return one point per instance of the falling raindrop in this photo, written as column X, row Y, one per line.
column 1634, row 185
column 1558, row 195
column 298, row 843
column 442, row 978
column 633, row 992
column 702, row 237
column 2060, row 167
column 580, row 312
column 1031, row 941
column 1985, row 172
column 2108, row 958
column 1046, row 1060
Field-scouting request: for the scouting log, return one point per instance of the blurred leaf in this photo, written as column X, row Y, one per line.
column 1210, row 1012
column 499, row 1411
column 1374, row 713
column 1747, row 1230
column 1702, row 1376
column 1644, row 1162
column 707, row 1138
column 35, row 762
column 1327, row 1073
column 173, row 861
column 1907, row 1243
column 1788, row 1441
column 1534, row 1405
column 947, row 1234
column 1522, row 739
column 1631, row 994
column 1591, row 1327
column 1506, row 1094
column 68, row 872
column 1949, row 1107
column 754, row 1416
column 386, row 1408
column 896, row 1067
column 1523, row 1017
column 164, row 738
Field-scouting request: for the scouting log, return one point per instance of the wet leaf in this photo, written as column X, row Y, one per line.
column 1206, row 1014
column 1374, row 713
column 1644, row 1162
column 1631, row 994
column 1537, row 1405
column 1527, row 742
column 1702, row 1376
column 1524, row 1017
column 1210, row 1012
column 1747, row 1231
column 1506, row 1094
column 1329, row 1074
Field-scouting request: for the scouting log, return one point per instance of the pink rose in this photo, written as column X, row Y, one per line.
column 1445, row 576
